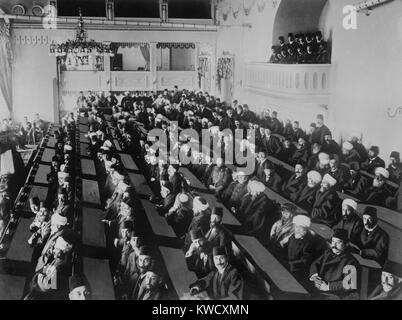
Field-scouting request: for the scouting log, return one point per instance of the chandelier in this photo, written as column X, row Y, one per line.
column 80, row 51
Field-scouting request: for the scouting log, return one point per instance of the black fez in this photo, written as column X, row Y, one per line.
column 145, row 251
column 395, row 155
column 375, row 149
column 128, row 225
column 341, row 234
column 289, row 207
column 77, row 280
column 393, row 268
column 219, row 251
column 370, row 211
column 218, row 211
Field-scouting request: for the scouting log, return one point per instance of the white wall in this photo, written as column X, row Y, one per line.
column 182, row 59
column 132, row 59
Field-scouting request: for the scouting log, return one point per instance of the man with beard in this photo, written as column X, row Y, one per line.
column 295, row 183
column 297, row 132
column 325, row 207
column 287, row 150
column 322, row 166
column 152, row 288
column 262, row 161
column 275, row 125
column 235, row 192
column 225, row 283
column 373, row 242
column 395, row 167
column 300, row 248
column 283, row 229
column 391, row 283
column 272, row 179
column 350, row 154
column 321, row 131
column 218, row 235
column 373, row 161
column 271, row 144
column 219, row 178
column 301, row 153
column 256, row 211
column 338, row 172
column 198, row 255
column 145, row 263
column 350, row 222
column 334, row 274
column 378, row 192
column 330, row 146
column 306, row 197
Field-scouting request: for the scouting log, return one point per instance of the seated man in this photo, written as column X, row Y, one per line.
column 390, row 287
column 235, row 192
column 378, row 193
column 334, row 273
column 300, row 248
column 225, row 283
column 306, row 197
column 198, row 256
column 283, row 229
column 256, row 211
column 395, row 167
column 350, row 221
column 374, row 161
column 338, row 172
column 79, row 288
column 350, row 154
column 325, row 207
column 219, row 178
column 272, row 179
column 357, row 184
column 218, row 235
column 179, row 217
column 295, row 183
column 152, row 288
column 373, row 242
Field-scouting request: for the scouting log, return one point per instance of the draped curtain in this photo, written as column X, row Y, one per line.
column 5, row 66
column 146, row 55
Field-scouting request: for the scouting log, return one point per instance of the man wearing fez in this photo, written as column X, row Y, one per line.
column 219, row 178
column 198, row 256
column 395, row 167
column 374, row 161
column 391, row 283
column 225, row 283
column 256, row 211
column 295, row 183
column 350, row 221
column 79, row 288
column 357, row 184
column 326, row 202
column 334, row 273
column 378, row 192
column 373, row 242
column 217, row 235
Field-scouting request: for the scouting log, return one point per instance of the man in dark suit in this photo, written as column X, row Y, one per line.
column 219, row 178
column 321, row 130
column 271, row 144
column 390, row 287
column 218, row 235
column 199, row 255
column 373, row 242
column 330, row 146
column 306, row 197
column 395, row 167
column 295, row 183
column 339, row 172
column 350, row 222
column 272, row 179
column 275, row 125
column 357, row 184
column 301, row 154
column 235, row 192
column 374, row 161
column 350, row 154
column 225, row 283
column 378, row 193
column 325, row 207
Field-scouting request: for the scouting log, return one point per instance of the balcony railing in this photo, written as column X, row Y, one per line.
column 293, row 81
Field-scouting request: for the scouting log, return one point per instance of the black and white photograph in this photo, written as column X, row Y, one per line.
column 187, row 152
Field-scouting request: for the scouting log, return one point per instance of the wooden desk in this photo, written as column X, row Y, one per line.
column 278, row 274
column 88, row 167
column 84, row 149
column 93, row 229
column 117, row 145
column 366, row 266
column 228, row 217
column 322, row 230
column 19, row 249
column 139, row 182
column 281, row 200
column 128, row 162
column 99, row 277
column 90, row 191
column 281, row 163
column 51, row 143
column 41, row 174
column 194, row 182
column 159, row 225
column 36, row 191
column 11, row 287
column 83, row 128
column 48, row 154
column 177, row 269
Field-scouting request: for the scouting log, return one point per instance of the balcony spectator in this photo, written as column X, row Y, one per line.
column 395, row 167
column 374, row 161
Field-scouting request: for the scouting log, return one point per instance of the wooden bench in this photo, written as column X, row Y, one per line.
column 41, row 174
column 117, row 145
column 194, row 182
column 178, row 272
column 11, row 287
column 98, row 273
column 84, row 149
column 51, row 143
column 88, row 167
column 48, row 154
column 139, row 182
column 128, row 162
column 19, row 249
column 36, row 191
column 93, row 229
column 268, row 264
column 90, row 191
column 159, row 225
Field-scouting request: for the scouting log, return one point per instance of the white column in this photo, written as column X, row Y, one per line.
column 152, row 82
